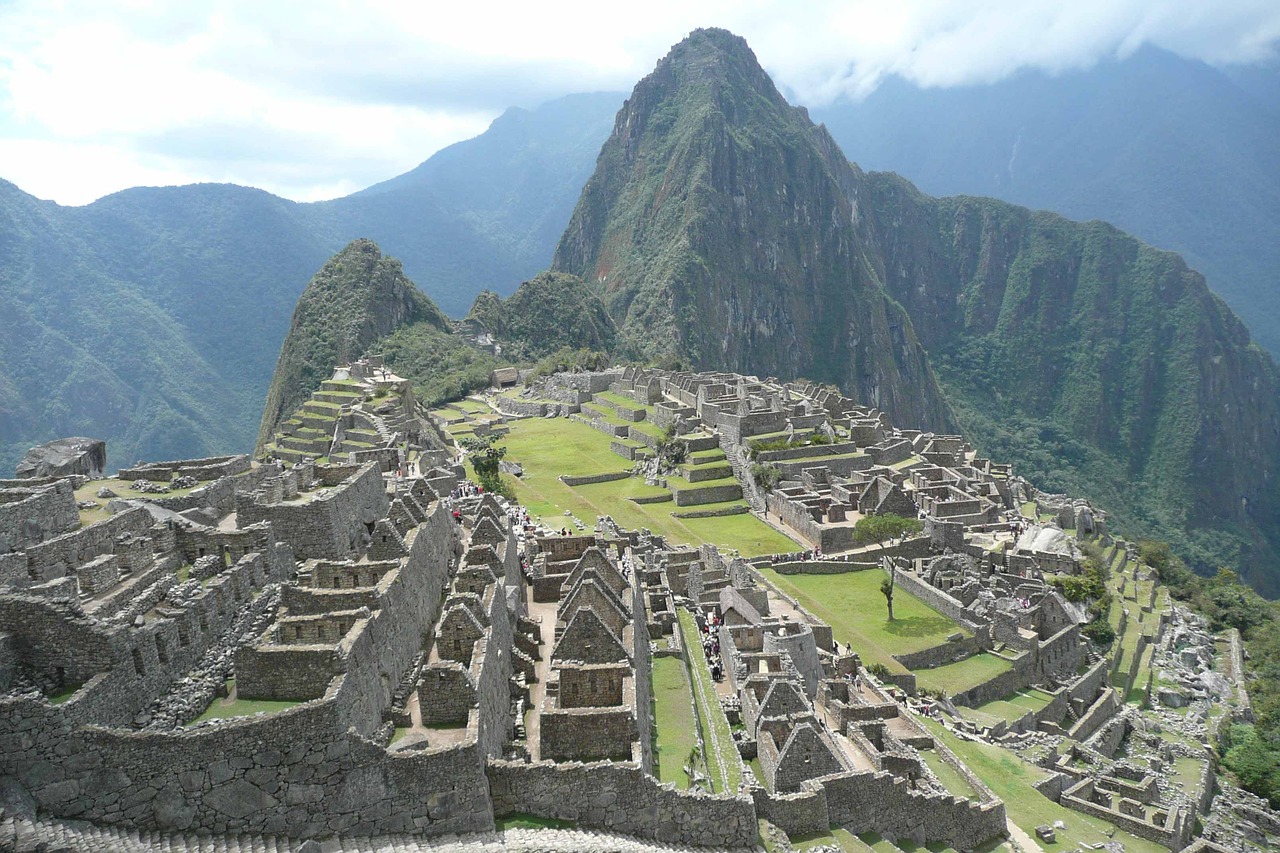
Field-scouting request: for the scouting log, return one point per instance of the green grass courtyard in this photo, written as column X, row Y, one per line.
column 549, row 447
column 677, row 729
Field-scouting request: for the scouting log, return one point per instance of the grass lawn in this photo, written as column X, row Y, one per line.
column 724, row 765
column 89, row 492
column 854, row 607
column 1016, row 706
column 224, row 708
column 547, row 448
column 948, row 775
column 1186, row 773
column 1011, row 778
column 674, row 720
column 958, row 677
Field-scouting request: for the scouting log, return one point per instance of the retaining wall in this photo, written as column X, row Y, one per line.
column 622, row 798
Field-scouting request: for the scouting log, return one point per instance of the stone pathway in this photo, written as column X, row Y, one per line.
column 21, row 835
column 545, row 614
column 1025, row 842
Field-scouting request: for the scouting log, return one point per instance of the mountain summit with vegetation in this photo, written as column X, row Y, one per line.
column 720, row 228
column 356, row 299
column 723, row 227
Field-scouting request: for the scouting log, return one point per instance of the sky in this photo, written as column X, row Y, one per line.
column 316, row 99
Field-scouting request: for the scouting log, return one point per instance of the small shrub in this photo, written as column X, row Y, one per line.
column 1100, row 632
column 766, row 476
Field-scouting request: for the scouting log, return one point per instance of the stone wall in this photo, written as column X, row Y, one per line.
column 799, row 814
column 588, row 479
column 294, row 673
column 330, row 525
column 291, row 773
column 31, row 515
column 998, row 686
column 889, row 806
column 940, row 655
column 209, row 468
column 697, row 495
column 57, row 557
column 410, row 605
column 622, row 798
column 569, row 734
column 821, row 567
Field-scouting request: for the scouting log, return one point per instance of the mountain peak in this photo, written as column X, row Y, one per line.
column 707, row 62
column 718, row 228
column 358, row 297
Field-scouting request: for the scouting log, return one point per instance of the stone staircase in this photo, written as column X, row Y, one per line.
column 753, row 494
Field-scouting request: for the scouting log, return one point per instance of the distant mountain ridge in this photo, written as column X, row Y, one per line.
column 153, row 317
column 1178, row 153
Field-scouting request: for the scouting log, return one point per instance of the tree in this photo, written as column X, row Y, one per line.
column 886, row 586
column 485, row 457
column 881, row 528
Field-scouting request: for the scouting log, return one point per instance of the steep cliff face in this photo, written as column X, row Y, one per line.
column 356, row 299
column 718, row 228
column 1099, row 364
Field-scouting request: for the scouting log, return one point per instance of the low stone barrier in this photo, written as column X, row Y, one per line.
column 742, row 509
column 821, row 567
column 696, row 495
column 663, row 498
column 589, row 479
column 940, row 655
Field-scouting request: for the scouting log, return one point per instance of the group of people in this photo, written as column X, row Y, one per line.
column 466, row 489
column 711, row 646
column 517, row 514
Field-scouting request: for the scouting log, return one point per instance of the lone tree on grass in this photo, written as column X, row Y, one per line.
column 879, row 529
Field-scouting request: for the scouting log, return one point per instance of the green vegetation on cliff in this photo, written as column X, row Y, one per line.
column 546, row 313
column 1097, row 365
column 356, row 299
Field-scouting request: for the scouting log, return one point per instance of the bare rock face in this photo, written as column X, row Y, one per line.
column 63, row 457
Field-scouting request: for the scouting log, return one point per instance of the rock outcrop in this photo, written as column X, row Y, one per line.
column 63, row 457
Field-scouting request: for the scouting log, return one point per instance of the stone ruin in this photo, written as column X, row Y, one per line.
column 425, row 667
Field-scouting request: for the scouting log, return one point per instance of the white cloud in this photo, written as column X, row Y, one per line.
column 310, row 99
